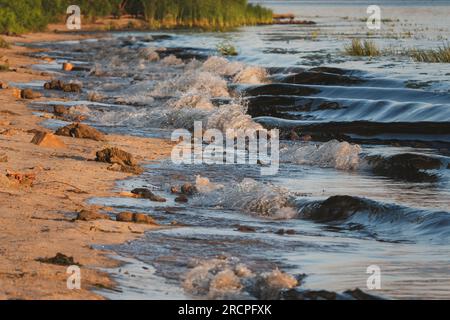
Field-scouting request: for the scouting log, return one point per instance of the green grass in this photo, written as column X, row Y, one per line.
column 227, row 49
column 439, row 55
column 4, row 44
column 366, row 48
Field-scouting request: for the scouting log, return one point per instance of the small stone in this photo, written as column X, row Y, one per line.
column 29, row 94
column 89, row 215
column 189, row 189
column 47, row 140
column 67, row 66
column 147, row 194
column 182, row 199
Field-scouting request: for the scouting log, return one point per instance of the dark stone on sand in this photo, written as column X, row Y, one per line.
column 182, row 199
column 135, row 218
column 147, row 194
column 120, row 158
column 81, row 131
column 90, row 215
column 59, row 260
column 321, row 78
column 280, row 89
column 30, row 94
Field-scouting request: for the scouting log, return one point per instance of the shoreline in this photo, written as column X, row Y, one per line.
column 36, row 221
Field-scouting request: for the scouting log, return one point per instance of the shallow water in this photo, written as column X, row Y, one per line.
column 390, row 213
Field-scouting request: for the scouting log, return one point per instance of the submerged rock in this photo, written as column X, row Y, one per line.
column 48, row 140
column 147, row 194
column 280, row 89
column 298, row 294
column 81, row 131
column 182, row 199
column 321, row 78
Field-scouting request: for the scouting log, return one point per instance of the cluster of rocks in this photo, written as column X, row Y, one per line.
column 184, row 192
column 62, row 86
column 120, row 160
column 130, row 217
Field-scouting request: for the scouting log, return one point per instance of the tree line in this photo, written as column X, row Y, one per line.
column 19, row 16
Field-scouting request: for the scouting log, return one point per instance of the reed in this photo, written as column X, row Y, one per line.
column 364, row 48
column 439, row 55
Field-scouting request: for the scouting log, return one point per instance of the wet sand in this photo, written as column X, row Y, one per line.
column 37, row 221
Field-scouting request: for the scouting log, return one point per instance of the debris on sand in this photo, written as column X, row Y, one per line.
column 59, row 260
column 135, row 218
column 147, row 194
column 80, row 131
column 121, row 160
column 48, row 140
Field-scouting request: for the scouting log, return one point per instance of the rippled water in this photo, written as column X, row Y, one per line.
column 334, row 208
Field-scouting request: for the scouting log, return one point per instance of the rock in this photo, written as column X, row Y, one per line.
column 54, row 85
column 4, row 85
column 119, row 157
column 174, row 190
column 189, row 189
column 67, row 66
column 72, row 87
column 60, row 110
column 60, row 85
column 47, row 140
column 60, row 260
column 3, row 158
column 283, row 232
column 135, row 218
column 182, row 199
column 147, row 194
column 89, row 215
column 24, row 179
column 30, row 94
column 17, row 93
column 246, row 229
column 80, row 131
column 294, row 136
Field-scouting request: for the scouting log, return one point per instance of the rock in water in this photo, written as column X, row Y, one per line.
column 119, row 157
column 147, row 194
column 89, row 215
column 29, row 94
column 47, row 140
column 135, row 218
column 80, row 131
column 67, row 66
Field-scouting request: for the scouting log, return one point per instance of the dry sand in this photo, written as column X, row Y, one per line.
column 36, row 222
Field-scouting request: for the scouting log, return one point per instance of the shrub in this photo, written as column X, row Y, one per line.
column 365, row 48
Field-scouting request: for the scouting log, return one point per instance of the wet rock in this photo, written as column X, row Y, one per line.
column 48, row 140
column 4, row 85
column 280, row 89
column 81, row 131
column 189, row 189
column 182, row 199
column 119, row 157
column 246, row 229
column 330, row 70
column 90, row 215
column 135, row 218
column 60, row 259
column 53, row 85
column 338, row 208
column 147, row 194
column 283, row 232
column 72, row 87
column 406, row 166
column 67, row 66
column 60, row 110
column 60, row 85
column 320, row 78
column 298, row 294
column 29, row 94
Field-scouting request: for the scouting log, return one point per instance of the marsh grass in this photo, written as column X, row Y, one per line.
column 366, row 48
column 4, row 44
column 439, row 55
column 227, row 49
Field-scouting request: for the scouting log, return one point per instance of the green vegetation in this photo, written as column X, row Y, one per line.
column 364, row 48
column 439, row 55
column 4, row 44
column 227, row 49
column 20, row 16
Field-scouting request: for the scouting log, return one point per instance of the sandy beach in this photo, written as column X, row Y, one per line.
column 38, row 221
